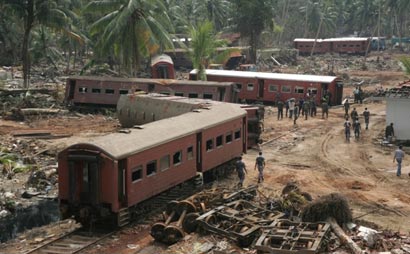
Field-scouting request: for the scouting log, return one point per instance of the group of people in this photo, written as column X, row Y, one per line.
column 355, row 124
column 304, row 106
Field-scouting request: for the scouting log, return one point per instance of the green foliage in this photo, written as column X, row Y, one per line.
column 204, row 45
column 406, row 64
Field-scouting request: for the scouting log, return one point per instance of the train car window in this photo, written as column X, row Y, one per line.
column 123, row 91
column 151, row 167
column 228, row 138
column 239, row 86
column 109, row 91
column 190, row 153
column 164, row 163
column 249, row 87
column 136, row 174
column 344, row 45
column 82, row 89
column 179, row 94
column 165, row 93
column 219, row 141
column 299, row 89
column 208, row 96
column 285, row 89
column 192, row 95
column 237, row 134
column 209, row 144
column 312, row 90
column 96, row 90
column 177, row 158
column 273, row 88
column 138, row 90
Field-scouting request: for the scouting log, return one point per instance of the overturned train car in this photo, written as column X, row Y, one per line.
column 108, row 177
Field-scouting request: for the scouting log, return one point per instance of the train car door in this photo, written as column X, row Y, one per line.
column 84, row 178
column 221, row 93
column 199, row 152
column 122, row 181
column 339, row 93
column 71, row 91
column 261, row 86
column 244, row 134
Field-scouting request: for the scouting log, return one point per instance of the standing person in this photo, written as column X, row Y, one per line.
column 292, row 105
column 398, row 156
column 356, row 95
column 241, row 170
column 366, row 115
column 306, row 109
column 360, row 97
column 346, row 105
column 295, row 114
column 260, row 163
column 280, row 109
column 354, row 114
column 347, row 126
column 389, row 133
column 313, row 107
column 357, row 128
column 301, row 102
column 325, row 110
column 287, row 107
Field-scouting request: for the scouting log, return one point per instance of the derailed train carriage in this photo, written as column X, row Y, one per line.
column 107, row 177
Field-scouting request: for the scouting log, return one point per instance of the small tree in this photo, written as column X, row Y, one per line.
column 204, row 46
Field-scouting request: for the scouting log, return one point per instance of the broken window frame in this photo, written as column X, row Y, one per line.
column 135, row 170
column 177, row 161
column 219, row 141
column 284, row 89
column 149, row 171
column 237, row 134
column 209, row 145
column 228, row 137
column 190, row 152
column 299, row 90
column 96, row 90
column 250, row 87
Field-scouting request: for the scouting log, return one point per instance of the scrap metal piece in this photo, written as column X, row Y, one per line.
column 287, row 237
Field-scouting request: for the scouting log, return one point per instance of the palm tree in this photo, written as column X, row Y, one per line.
column 215, row 11
column 204, row 47
column 129, row 29
column 34, row 13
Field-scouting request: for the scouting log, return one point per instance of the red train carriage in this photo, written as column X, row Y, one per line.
column 269, row 87
column 107, row 177
column 162, row 67
column 348, row 45
column 83, row 90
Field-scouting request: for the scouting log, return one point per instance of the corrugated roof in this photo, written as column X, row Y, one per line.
column 121, row 145
column 267, row 75
column 163, row 82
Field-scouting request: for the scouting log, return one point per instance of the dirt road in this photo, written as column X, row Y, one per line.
column 314, row 153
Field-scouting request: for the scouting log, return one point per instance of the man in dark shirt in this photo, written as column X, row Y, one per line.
column 389, row 133
column 241, row 170
column 260, row 163
column 366, row 115
column 280, row 109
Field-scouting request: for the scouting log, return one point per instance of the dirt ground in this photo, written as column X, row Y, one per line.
column 313, row 153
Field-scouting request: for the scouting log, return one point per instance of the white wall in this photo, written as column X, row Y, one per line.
column 398, row 113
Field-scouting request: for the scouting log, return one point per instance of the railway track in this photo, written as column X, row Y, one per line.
column 71, row 243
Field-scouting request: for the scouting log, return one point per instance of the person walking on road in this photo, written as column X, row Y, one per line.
column 347, row 126
column 354, row 114
column 346, row 106
column 325, row 110
column 241, row 170
column 357, row 129
column 398, row 156
column 280, row 109
column 291, row 107
column 366, row 115
column 260, row 163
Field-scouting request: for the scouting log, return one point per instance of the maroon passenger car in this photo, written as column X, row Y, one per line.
column 269, row 87
column 83, row 90
column 108, row 176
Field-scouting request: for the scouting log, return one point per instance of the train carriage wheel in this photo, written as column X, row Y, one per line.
column 190, row 224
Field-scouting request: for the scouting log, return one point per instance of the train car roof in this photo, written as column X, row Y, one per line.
column 163, row 82
column 268, row 75
column 122, row 145
column 161, row 58
column 332, row 39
